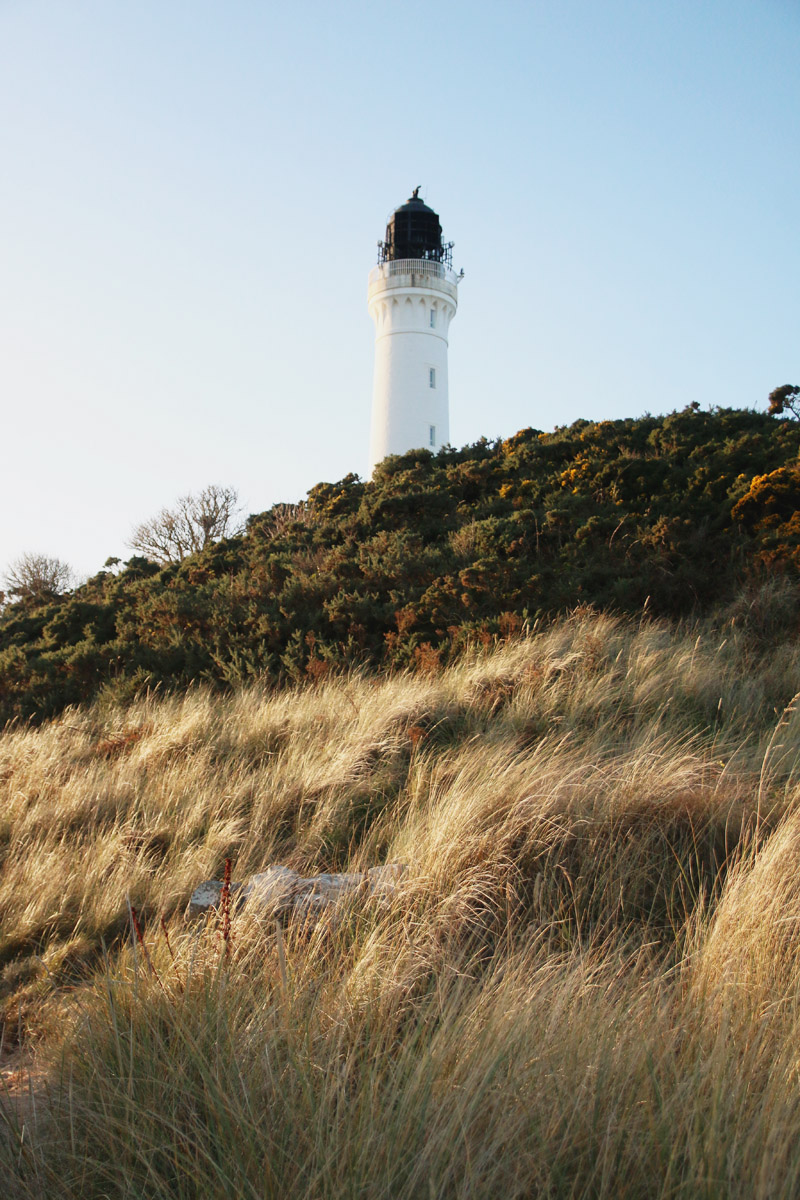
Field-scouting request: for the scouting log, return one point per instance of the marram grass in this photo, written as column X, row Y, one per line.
column 588, row 985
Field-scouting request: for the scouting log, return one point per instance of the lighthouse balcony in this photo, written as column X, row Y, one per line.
column 401, row 273
column 428, row 268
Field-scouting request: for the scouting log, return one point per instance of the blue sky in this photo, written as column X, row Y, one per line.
column 193, row 192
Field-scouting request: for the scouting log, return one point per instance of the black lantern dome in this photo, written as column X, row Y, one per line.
column 414, row 231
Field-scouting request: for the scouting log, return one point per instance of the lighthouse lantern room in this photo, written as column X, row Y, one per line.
column 413, row 297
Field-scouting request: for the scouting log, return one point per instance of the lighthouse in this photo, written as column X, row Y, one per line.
column 412, row 297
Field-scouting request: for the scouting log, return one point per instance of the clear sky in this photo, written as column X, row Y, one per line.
column 192, row 191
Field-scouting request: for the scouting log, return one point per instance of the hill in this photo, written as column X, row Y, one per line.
column 586, row 986
column 677, row 512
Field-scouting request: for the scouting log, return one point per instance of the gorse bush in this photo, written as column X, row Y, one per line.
column 436, row 553
column 586, row 985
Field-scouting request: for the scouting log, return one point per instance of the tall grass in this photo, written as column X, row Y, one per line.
column 586, row 986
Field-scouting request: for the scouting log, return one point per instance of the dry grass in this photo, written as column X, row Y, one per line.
column 588, row 985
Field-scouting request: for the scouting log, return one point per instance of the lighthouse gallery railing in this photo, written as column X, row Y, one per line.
column 412, row 266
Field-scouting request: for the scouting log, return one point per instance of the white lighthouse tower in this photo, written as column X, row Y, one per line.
column 413, row 296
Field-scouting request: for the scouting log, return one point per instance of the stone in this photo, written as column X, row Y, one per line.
column 334, row 886
column 284, row 894
column 273, row 891
column 206, row 896
column 307, row 910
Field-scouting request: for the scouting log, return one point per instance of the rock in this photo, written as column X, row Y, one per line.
column 206, row 896
column 282, row 893
column 307, row 910
column 274, row 890
column 334, row 886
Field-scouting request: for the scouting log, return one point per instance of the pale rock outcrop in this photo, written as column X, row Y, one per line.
column 273, row 890
column 308, row 909
column 285, row 895
column 207, row 895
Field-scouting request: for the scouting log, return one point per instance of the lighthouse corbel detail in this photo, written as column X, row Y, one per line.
column 413, row 297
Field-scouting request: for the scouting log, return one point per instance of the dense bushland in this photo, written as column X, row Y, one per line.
column 587, row 985
column 676, row 512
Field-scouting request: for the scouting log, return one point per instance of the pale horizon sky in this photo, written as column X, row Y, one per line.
column 193, row 193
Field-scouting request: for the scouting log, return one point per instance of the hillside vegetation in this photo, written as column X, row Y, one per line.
column 437, row 552
column 587, row 985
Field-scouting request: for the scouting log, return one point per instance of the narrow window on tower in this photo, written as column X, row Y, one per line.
column 433, row 318
column 432, row 377
column 432, row 434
